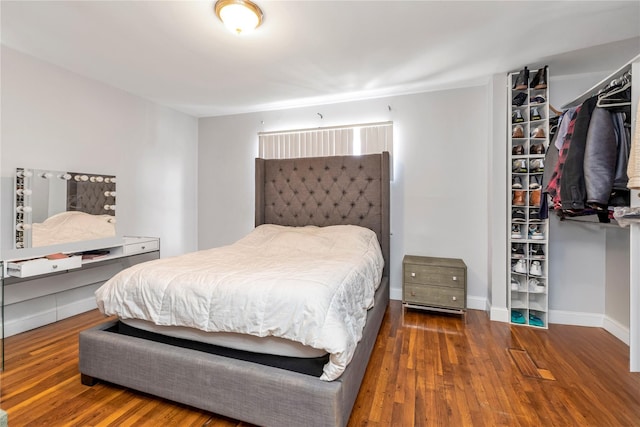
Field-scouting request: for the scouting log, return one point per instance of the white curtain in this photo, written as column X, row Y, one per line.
column 334, row 141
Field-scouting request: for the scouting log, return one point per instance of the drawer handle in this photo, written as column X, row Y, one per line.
column 413, row 293
column 455, row 278
column 54, row 266
column 413, row 274
column 143, row 248
column 454, row 298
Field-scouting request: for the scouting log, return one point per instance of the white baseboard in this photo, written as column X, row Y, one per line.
column 575, row 318
column 617, row 329
column 45, row 317
column 499, row 314
column 23, row 324
column 76, row 307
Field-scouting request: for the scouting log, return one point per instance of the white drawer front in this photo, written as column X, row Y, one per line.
column 138, row 248
column 38, row 266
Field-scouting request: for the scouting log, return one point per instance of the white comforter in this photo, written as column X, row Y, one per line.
column 310, row 284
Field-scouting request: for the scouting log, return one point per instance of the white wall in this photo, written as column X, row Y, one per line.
column 54, row 119
column 439, row 196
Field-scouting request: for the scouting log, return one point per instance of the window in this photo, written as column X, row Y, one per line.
column 329, row 141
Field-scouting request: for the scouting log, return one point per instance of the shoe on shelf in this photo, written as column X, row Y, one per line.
column 520, row 267
column 516, row 117
column 536, row 268
column 535, row 233
column 534, row 215
column 518, row 198
column 517, row 317
column 538, row 99
column 517, row 150
column 518, row 215
column 519, row 166
column 538, row 132
column 516, row 233
column 522, row 80
column 519, row 99
column 517, row 251
column 518, row 132
column 540, row 79
column 534, row 197
column 536, row 251
column 515, row 285
column 536, row 149
column 535, row 114
column 516, row 182
column 536, row 286
column 534, row 182
column 535, row 320
column 536, row 165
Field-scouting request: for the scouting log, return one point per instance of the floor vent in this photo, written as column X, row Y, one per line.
column 527, row 367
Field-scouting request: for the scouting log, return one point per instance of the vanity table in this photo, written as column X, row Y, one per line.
column 39, row 291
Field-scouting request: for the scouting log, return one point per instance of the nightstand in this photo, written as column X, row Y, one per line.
column 437, row 284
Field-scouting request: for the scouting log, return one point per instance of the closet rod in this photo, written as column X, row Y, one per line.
column 602, row 84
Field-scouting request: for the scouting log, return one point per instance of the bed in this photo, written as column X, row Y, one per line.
column 324, row 191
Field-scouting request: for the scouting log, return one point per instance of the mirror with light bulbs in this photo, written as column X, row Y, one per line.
column 54, row 207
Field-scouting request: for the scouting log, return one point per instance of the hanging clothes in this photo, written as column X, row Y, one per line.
column 633, row 169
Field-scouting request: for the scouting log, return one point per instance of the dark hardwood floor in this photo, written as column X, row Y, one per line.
column 426, row 370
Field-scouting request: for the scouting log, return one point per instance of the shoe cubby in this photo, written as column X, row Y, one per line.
column 528, row 229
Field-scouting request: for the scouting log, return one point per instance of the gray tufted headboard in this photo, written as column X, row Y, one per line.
column 88, row 196
column 323, row 191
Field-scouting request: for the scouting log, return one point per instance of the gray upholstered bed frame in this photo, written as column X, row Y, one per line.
column 318, row 191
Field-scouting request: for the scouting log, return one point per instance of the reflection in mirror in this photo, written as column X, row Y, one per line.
column 53, row 207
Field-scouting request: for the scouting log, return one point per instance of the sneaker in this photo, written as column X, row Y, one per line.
column 519, row 99
column 534, row 215
column 536, row 286
column 536, row 165
column 516, row 117
column 535, row 233
column 518, row 215
column 535, row 320
column 516, row 182
column 538, row 99
column 517, row 317
column 520, row 166
column 516, row 232
column 536, row 268
column 515, row 285
column 536, row 251
column 518, row 132
column 517, row 251
column 535, row 114
column 521, row 266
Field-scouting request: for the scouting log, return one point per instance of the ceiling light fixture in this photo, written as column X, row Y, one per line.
column 240, row 16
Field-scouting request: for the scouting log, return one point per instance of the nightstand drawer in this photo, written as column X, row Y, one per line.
column 434, row 296
column 433, row 275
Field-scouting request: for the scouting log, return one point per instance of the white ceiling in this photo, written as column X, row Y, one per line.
column 178, row 54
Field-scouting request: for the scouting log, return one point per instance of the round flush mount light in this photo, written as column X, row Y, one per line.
column 240, row 16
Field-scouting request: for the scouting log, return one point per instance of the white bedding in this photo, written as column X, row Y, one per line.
column 310, row 284
column 72, row 226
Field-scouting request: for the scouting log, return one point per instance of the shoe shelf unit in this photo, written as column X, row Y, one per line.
column 528, row 234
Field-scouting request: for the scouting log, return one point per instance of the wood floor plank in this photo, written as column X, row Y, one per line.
column 427, row 369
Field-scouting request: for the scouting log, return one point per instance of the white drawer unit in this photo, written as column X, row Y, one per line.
column 34, row 267
column 139, row 245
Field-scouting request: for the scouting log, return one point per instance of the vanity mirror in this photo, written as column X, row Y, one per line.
column 54, row 207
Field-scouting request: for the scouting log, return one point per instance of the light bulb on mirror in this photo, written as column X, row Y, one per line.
column 23, row 192
column 24, row 209
column 21, row 226
column 65, row 176
column 25, row 173
column 45, row 175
